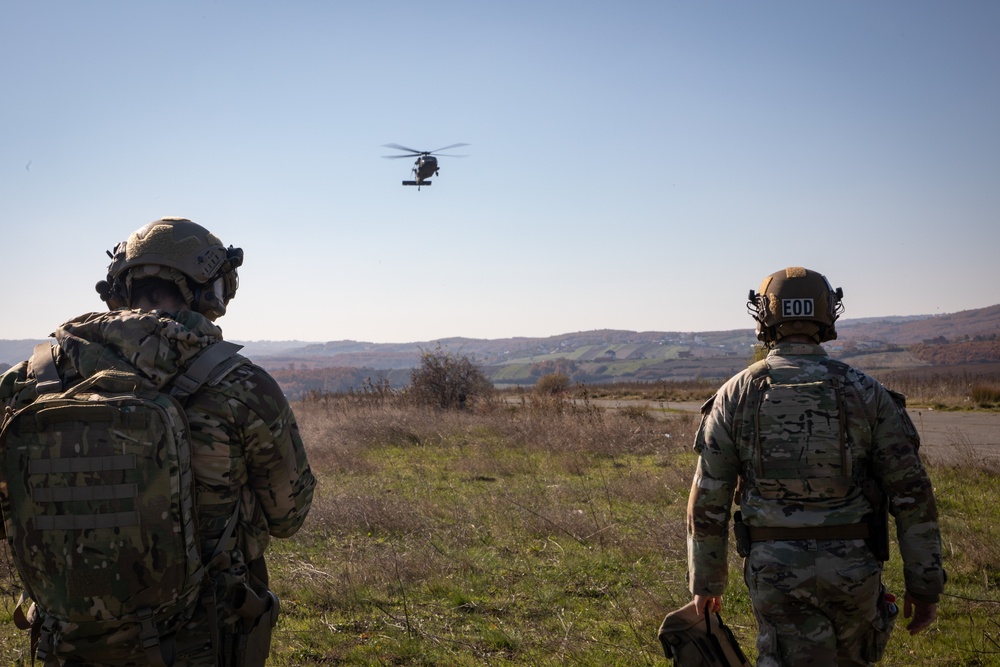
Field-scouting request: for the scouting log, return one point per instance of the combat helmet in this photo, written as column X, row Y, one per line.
column 795, row 301
column 179, row 251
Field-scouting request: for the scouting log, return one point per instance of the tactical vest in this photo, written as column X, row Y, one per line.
column 795, row 434
column 98, row 502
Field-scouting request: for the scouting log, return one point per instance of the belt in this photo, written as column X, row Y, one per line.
column 853, row 531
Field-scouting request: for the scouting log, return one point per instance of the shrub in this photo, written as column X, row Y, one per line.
column 553, row 384
column 448, row 380
column 985, row 394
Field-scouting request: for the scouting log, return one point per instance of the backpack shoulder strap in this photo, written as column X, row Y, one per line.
column 745, row 419
column 203, row 369
column 746, row 410
column 838, row 369
column 758, row 373
column 43, row 364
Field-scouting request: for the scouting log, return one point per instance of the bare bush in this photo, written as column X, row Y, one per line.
column 986, row 394
column 448, row 380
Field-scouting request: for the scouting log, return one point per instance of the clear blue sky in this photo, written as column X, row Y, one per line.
column 632, row 165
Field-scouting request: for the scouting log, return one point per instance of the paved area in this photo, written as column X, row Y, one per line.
column 946, row 437
column 958, row 437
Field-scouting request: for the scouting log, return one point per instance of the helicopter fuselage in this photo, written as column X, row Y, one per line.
column 426, row 164
column 425, row 167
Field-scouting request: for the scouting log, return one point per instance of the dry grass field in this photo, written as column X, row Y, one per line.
column 534, row 531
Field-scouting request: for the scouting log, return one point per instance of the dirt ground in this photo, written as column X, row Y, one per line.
column 946, row 437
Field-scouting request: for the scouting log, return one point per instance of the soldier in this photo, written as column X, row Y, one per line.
column 811, row 448
column 166, row 286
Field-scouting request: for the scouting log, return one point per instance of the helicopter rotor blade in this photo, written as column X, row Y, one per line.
column 403, row 148
column 446, row 148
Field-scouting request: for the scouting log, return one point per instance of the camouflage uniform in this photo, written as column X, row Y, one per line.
column 246, row 448
column 814, row 599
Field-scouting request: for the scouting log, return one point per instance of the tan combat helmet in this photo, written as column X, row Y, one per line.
column 179, row 251
column 795, row 301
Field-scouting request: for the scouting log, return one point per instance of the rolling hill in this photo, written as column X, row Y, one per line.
column 971, row 336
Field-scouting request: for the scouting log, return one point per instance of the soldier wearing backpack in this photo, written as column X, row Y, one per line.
column 145, row 467
column 816, row 453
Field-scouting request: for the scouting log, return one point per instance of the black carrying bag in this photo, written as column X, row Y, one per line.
column 691, row 639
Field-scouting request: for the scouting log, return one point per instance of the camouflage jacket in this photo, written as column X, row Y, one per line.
column 883, row 444
column 246, row 447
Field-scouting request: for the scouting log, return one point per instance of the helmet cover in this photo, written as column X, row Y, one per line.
column 179, row 251
column 795, row 301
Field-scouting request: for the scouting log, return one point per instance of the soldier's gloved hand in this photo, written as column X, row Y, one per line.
column 923, row 613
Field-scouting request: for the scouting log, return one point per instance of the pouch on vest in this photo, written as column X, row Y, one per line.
column 800, row 439
column 691, row 639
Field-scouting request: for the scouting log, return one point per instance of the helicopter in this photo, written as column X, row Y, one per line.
column 426, row 163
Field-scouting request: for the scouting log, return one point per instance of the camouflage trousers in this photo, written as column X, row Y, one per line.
column 815, row 601
column 192, row 650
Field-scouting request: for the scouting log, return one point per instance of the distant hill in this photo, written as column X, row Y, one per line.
column 969, row 336
column 15, row 351
column 874, row 344
column 981, row 322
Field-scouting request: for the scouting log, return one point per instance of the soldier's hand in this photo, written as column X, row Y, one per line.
column 923, row 613
column 714, row 603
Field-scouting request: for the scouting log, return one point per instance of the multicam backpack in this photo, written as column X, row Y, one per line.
column 97, row 495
